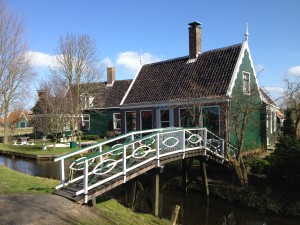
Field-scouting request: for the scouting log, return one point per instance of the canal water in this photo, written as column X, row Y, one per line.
column 194, row 208
column 40, row 168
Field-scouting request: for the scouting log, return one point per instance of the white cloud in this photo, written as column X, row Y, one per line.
column 40, row 59
column 132, row 60
column 293, row 71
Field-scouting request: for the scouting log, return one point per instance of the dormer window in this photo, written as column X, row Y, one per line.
column 246, row 83
column 87, row 101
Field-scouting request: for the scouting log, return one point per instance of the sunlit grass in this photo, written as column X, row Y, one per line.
column 12, row 182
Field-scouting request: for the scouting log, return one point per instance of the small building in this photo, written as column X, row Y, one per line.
column 19, row 119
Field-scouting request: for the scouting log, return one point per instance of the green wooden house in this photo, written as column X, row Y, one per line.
column 19, row 119
column 216, row 89
column 102, row 116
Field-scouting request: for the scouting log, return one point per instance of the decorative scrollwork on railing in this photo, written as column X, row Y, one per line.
column 170, row 142
column 195, row 139
column 78, row 164
column 105, row 167
column 141, row 152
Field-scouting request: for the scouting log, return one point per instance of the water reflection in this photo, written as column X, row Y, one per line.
column 41, row 168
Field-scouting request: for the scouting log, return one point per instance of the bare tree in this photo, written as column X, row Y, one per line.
column 291, row 101
column 15, row 64
column 77, row 67
column 51, row 113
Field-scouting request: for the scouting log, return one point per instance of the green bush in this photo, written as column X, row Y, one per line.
column 258, row 165
column 90, row 137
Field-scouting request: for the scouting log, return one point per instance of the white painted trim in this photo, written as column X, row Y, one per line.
column 237, row 67
column 172, row 104
column 129, row 89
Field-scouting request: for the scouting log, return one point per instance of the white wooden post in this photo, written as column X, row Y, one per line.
column 85, row 180
column 100, row 151
column 157, row 150
column 222, row 148
column 124, row 163
column 132, row 139
column 205, row 137
column 183, row 143
column 62, row 171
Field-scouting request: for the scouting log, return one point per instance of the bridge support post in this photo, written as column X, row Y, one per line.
column 204, row 177
column 156, row 192
column 184, row 175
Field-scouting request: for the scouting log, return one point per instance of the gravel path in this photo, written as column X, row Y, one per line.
column 21, row 209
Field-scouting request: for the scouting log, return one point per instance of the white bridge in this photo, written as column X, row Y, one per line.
column 97, row 169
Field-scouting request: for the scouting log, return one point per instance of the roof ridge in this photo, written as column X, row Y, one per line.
column 222, row 48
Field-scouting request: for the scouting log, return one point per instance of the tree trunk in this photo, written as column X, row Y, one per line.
column 240, row 171
column 5, row 131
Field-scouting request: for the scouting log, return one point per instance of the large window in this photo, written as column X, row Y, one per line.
column 185, row 118
column 164, row 118
column 117, row 121
column 85, row 122
column 146, row 120
column 130, row 121
column 246, row 83
column 211, row 119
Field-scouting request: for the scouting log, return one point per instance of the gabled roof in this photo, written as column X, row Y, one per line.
column 15, row 116
column 180, row 78
column 104, row 96
column 266, row 98
column 111, row 96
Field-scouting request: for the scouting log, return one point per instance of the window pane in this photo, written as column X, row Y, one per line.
column 130, row 121
column 186, row 119
column 164, row 118
column 146, row 120
column 210, row 118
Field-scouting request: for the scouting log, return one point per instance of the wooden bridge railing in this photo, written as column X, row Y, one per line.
column 109, row 159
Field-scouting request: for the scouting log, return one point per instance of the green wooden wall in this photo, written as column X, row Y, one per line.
column 100, row 122
column 250, row 105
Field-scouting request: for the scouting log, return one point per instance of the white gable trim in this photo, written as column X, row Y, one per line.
column 129, row 89
column 237, row 67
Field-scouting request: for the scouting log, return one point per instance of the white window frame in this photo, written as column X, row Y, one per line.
column 246, row 83
column 141, row 119
column 85, row 121
column 116, row 120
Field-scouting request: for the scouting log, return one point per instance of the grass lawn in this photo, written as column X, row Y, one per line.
column 12, row 181
column 111, row 211
column 36, row 149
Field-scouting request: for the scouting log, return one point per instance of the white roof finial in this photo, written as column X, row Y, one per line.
column 247, row 33
column 141, row 58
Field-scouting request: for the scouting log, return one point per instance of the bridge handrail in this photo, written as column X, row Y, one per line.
column 101, row 143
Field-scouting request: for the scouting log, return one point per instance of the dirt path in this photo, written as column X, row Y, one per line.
column 21, row 209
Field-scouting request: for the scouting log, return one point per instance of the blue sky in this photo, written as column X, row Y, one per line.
column 158, row 29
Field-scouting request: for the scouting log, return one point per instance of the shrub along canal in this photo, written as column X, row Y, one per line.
column 194, row 208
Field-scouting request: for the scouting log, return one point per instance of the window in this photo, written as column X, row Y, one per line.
column 185, row 118
column 146, row 120
column 130, row 121
column 87, row 101
column 211, row 119
column 246, row 83
column 164, row 118
column 85, row 122
column 117, row 121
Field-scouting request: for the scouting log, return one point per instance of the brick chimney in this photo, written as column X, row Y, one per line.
column 110, row 76
column 194, row 39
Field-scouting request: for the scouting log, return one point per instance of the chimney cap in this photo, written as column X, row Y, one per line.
column 194, row 24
